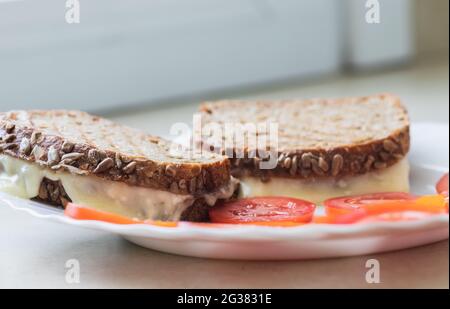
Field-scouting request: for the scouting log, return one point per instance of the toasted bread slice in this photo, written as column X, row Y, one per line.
column 79, row 143
column 319, row 138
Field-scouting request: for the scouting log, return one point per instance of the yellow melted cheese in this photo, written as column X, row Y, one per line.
column 23, row 179
column 394, row 178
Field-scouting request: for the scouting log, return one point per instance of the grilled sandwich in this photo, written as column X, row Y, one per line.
column 324, row 147
column 64, row 156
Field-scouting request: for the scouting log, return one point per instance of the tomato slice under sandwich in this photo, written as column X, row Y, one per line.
column 442, row 185
column 442, row 188
column 276, row 211
column 354, row 208
column 347, row 204
column 80, row 212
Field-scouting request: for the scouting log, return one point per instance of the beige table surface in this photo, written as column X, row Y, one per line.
column 33, row 253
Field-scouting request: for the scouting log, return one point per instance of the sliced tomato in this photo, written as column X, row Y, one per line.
column 343, row 205
column 86, row 213
column 344, row 218
column 264, row 211
column 397, row 216
column 380, row 203
column 442, row 186
column 80, row 212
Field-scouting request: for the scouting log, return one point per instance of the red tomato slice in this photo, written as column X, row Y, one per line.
column 80, row 212
column 85, row 213
column 442, row 185
column 342, row 209
column 350, row 204
column 264, row 211
column 442, row 188
column 345, row 218
column 397, row 216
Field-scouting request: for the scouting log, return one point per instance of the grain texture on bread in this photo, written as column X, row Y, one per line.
column 319, row 138
column 83, row 144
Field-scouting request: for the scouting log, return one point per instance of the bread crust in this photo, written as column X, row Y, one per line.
column 23, row 140
column 322, row 162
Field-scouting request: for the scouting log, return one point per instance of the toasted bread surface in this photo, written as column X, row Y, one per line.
column 318, row 137
column 84, row 144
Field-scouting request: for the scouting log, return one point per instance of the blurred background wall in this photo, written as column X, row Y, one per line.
column 131, row 53
column 431, row 27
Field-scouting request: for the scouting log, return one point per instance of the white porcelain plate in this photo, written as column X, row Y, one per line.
column 429, row 157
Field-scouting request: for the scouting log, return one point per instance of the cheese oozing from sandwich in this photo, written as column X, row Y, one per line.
column 391, row 179
column 23, row 179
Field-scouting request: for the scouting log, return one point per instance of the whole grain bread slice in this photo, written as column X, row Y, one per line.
column 317, row 138
column 83, row 144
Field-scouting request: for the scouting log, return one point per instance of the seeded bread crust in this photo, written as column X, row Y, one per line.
column 332, row 144
column 82, row 144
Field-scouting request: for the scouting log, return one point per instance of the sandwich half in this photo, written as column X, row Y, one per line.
column 64, row 156
column 325, row 147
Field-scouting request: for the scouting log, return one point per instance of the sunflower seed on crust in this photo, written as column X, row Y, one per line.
column 37, row 152
column 71, row 157
column 118, row 160
column 316, row 168
column 130, row 167
column 10, row 127
column 307, row 160
column 35, row 136
column 93, row 156
column 67, row 147
column 294, row 166
column 389, row 145
column 337, row 164
column 323, row 165
column 52, row 156
column 287, row 163
column 171, row 170
column 281, row 158
column 25, row 146
column 369, row 162
column 104, row 166
column 70, row 168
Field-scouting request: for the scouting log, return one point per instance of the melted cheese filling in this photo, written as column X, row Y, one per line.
column 23, row 179
column 394, row 178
